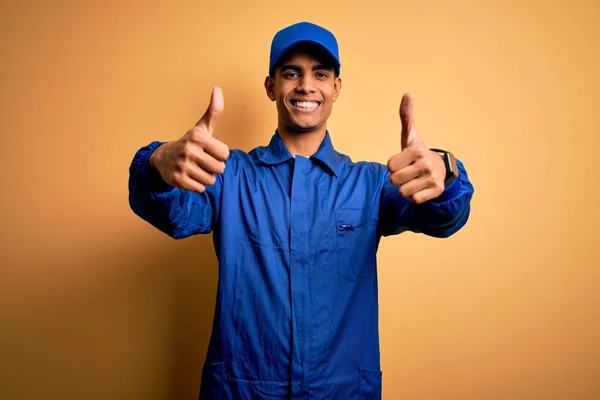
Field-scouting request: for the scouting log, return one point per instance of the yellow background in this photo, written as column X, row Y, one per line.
column 96, row 304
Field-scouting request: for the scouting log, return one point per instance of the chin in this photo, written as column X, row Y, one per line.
column 304, row 128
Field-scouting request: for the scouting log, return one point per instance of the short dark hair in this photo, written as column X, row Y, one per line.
column 315, row 50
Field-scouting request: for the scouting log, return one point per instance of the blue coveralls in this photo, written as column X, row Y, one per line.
column 296, row 238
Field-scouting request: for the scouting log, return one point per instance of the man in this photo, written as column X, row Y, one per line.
column 296, row 227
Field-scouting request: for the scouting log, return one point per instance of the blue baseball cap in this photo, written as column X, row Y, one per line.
column 303, row 32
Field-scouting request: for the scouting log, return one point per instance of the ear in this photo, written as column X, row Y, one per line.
column 270, row 88
column 337, row 87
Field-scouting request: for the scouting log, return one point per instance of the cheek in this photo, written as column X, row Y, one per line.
column 280, row 103
column 281, row 97
column 328, row 93
column 280, row 100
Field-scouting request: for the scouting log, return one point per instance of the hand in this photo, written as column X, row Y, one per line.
column 418, row 172
column 192, row 161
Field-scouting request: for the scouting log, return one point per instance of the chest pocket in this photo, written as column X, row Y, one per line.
column 356, row 235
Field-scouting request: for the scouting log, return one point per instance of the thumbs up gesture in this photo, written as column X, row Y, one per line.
column 418, row 172
column 192, row 161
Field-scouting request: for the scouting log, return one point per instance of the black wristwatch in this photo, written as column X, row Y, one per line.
column 450, row 163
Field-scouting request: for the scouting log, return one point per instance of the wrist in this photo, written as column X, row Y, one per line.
column 155, row 156
column 450, row 166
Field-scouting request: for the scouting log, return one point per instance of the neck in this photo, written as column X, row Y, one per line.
column 302, row 143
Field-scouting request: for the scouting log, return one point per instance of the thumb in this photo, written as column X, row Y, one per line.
column 215, row 108
column 409, row 132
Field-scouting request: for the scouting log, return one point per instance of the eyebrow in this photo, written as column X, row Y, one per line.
column 293, row 67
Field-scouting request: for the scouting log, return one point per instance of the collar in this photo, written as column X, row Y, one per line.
column 277, row 153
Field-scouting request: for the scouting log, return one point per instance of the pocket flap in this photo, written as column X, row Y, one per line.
column 350, row 218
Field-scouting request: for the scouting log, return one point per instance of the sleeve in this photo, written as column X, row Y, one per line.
column 177, row 212
column 440, row 217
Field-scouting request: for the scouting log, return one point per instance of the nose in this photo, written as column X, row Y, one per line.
column 306, row 85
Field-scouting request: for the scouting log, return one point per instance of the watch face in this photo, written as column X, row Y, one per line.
column 453, row 168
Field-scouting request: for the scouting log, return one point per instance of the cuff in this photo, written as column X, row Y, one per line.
column 150, row 176
column 449, row 192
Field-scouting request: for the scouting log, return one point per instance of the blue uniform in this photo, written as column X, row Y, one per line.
column 296, row 238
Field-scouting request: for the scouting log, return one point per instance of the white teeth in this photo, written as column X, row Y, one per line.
column 306, row 104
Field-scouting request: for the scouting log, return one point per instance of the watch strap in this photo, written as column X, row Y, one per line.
column 450, row 163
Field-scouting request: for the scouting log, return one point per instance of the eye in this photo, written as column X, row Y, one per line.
column 290, row 75
column 322, row 75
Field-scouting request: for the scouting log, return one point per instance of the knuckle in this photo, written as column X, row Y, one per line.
column 417, row 199
column 191, row 135
column 186, row 152
column 202, row 139
column 187, row 170
column 389, row 165
column 209, row 180
column 392, row 163
column 180, row 164
column 178, row 177
column 426, row 165
column 197, row 135
column 194, row 132
column 419, row 151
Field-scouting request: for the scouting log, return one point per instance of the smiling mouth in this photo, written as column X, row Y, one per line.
column 305, row 105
